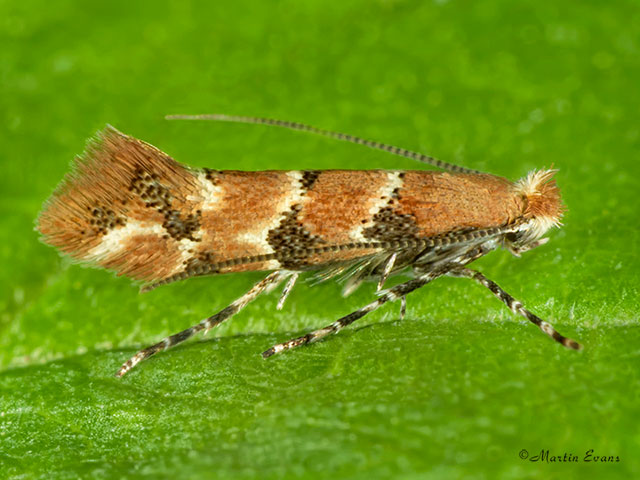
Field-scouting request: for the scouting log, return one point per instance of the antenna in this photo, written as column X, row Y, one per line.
column 402, row 152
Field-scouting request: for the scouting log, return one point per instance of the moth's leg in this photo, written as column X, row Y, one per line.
column 394, row 293
column 268, row 283
column 287, row 289
column 518, row 251
column 403, row 307
column 387, row 270
column 515, row 305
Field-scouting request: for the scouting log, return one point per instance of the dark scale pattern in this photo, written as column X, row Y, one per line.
column 104, row 219
column 291, row 242
column 179, row 228
column 391, row 226
column 151, row 191
column 157, row 196
column 211, row 175
column 309, row 177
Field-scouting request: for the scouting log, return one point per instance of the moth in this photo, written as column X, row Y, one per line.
column 128, row 207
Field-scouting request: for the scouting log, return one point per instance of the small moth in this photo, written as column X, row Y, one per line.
column 128, row 207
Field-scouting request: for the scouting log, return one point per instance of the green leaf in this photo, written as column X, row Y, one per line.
column 460, row 387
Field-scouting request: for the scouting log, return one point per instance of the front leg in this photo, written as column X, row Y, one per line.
column 514, row 305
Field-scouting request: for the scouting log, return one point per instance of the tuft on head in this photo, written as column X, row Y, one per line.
column 544, row 206
column 119, row 206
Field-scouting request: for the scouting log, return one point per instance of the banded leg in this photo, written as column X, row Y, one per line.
column 268, row 283
column 394, row 293
column 287, row 290
column 515, row 306
column 387, row 270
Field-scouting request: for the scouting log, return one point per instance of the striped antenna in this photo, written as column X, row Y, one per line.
column 402, row 152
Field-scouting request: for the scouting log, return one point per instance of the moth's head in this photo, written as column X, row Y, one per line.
column 542, row 210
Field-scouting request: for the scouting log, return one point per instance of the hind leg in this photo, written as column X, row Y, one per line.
column 271, row 281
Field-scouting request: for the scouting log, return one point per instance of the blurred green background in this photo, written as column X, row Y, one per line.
column 456, row 390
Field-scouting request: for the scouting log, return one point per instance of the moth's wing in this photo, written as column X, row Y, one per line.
column 128, row 207
column 109, row 211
